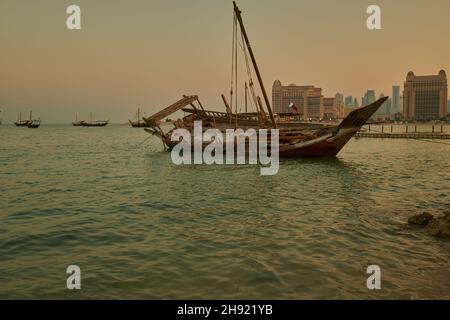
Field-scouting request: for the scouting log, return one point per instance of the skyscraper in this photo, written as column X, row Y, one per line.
column 349, row 101
column 388, row 106
column 425, row 97
column 369, row 97
column 382, row 109
column 339, row 97
column 396, row 100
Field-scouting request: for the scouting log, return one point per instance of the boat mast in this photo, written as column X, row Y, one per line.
column 247, row 42
column 139, row 117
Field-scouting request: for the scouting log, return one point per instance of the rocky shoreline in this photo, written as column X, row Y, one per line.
column 435, row 226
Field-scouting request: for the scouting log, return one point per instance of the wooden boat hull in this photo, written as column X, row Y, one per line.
column 102, row 124
column 34, row 124
column 21, row 124
column 136, row 124
column 329, row 147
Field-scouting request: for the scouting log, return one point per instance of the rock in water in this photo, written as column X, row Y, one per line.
column 421, row 219
column 439, row 227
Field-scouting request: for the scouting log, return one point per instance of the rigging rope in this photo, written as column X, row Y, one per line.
column 232, row 61
column 234, row 72
column 249, row 73
column 236, row 69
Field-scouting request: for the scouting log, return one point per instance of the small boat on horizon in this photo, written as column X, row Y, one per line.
column 34, row 123
column 140, row 123
column 92, row 123
column 77, row 122
column 23, row 123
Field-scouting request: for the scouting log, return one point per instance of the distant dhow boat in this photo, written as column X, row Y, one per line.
column 140, row 123
column 22, row 123
column 34, row 123
column 77, row 123
column 91, row 123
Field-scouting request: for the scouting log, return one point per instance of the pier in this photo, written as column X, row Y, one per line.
column 417, row 135
column 405, row 131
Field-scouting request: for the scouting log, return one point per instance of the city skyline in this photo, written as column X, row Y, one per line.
column 149, row 54
column 426, row 100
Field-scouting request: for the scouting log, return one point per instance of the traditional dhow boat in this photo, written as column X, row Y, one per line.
column 77, row 123
column 92, row 123
column 296, row 138
column 139, row 123
column 98, row 123
column 23, row 122
column 34, row 123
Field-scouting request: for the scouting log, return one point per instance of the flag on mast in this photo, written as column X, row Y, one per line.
column 293, row 107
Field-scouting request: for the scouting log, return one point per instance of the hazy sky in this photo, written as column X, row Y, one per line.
column 148, row 53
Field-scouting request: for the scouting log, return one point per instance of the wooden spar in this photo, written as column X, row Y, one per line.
column 263, row 114
column 255, row 66
column 193, row 105
column 200, row 104
column 227, row 106
column 258, row 111
column 154, row 119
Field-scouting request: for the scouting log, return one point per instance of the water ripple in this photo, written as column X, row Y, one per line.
column 140, row 227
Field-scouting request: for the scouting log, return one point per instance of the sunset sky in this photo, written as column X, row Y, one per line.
column 146, row 54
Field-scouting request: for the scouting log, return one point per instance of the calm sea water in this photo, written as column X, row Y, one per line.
column 140, row 227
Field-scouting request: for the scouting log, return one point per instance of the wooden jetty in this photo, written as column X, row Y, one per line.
column 411, row 132
column 412, row 135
